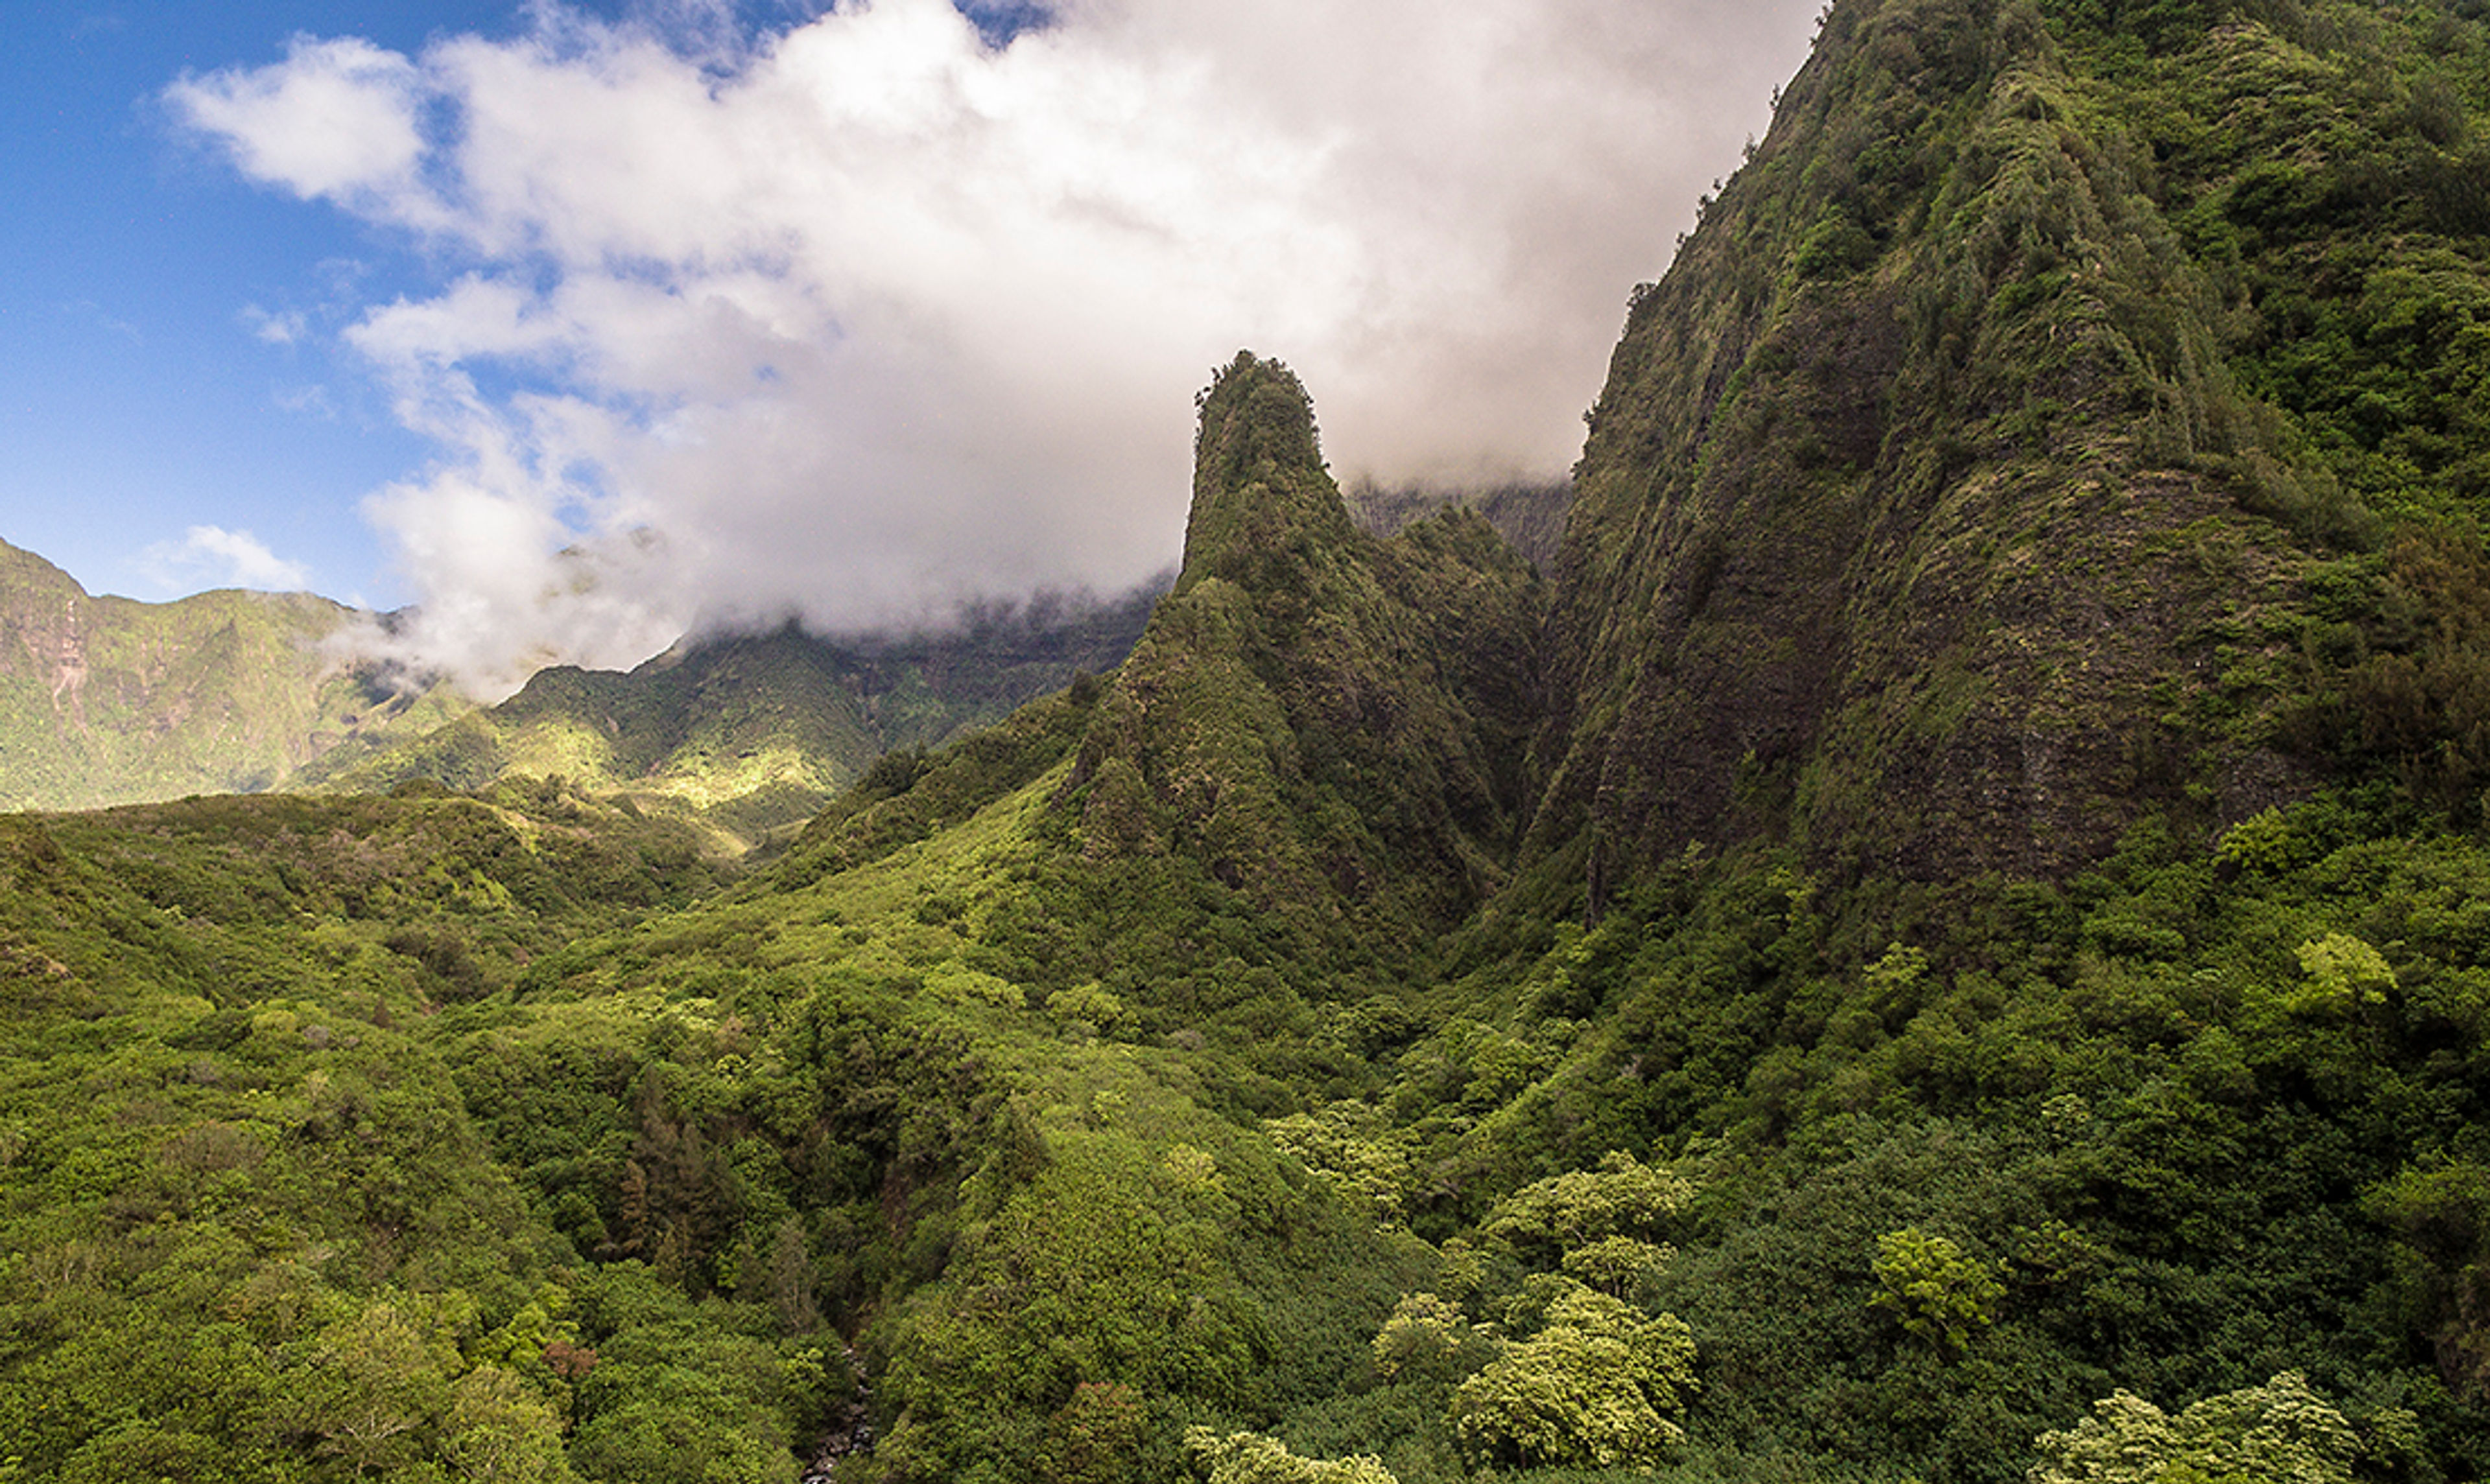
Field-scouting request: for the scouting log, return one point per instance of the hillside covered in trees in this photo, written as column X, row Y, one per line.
column 108, row 700
column 747, row 735
column 1946, row 936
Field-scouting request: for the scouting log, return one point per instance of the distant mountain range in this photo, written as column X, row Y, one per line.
column 1528, row 514
column 108, row 700
column 754, row 733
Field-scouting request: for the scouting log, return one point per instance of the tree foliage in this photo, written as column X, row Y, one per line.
column 1600, row 1384
column 2281, row 1430
column 1355, row 1040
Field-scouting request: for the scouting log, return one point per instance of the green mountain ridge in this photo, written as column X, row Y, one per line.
column 1945, row 939
column 106, row 700
column 1978, row 335
column 1318, row 715
column 753, row 733
column 109, row 701
column 1529, row 516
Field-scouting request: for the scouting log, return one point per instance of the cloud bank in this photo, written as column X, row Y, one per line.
column 858, row 319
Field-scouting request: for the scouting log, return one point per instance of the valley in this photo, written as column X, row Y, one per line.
column 1940, row 933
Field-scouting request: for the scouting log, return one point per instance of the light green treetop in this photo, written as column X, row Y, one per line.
column 1622, row 1197
column 1249, row 1458
column 2279, row 1432
column 1597, row 1387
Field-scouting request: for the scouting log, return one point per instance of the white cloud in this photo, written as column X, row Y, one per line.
column 337, row 119
column 211, row 556
column 274, row 327
column 310, row 400
column 870, row 315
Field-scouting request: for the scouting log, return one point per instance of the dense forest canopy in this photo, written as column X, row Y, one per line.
column 1946, row 937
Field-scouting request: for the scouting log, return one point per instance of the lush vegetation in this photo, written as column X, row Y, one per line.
column 106, row 700
column 750, row 735
column 1412, row 1021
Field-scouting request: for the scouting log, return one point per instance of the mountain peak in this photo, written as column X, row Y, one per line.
column 24, row 575
column 1885, row 539
column 1260, row 486
column 1317, row 714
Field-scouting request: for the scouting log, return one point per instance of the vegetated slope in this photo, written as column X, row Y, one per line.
column 1111, row 1116
column 944, row 1083
column 1051, row 981
column 1970, row 486
column 1325, row 721
column 106, row 700
column 753, row 733
column 251, row 1230
column 2017, row 754
column 1261, row 1056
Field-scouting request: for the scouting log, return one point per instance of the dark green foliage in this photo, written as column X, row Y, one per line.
column 2020, row 318
column 1947, row 941
column 2402, row 678
column 1327, row 722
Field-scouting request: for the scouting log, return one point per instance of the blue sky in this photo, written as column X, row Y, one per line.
column 138, row 394
column 583, row 324
column 135, row 399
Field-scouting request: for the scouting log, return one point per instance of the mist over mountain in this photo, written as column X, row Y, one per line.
column 115, row 702
column 864, row 316
column 752, row 733
column 1942, row 937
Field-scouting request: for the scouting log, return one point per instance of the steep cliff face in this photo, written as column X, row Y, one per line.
column 1332, row 721
column 1927, row 520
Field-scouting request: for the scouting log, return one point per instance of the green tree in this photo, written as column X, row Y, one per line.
column 679, row 1431
column 2282, row 1431
column 1941, row 1293
column 1597, row 1387
column 1555, row 1216
column 377, row 1387
column 1249, row 1458
column 2343, row 973
column 1423, row 1335
column 1095, row 1438
column 502, row 1432
column 1613, row 1265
